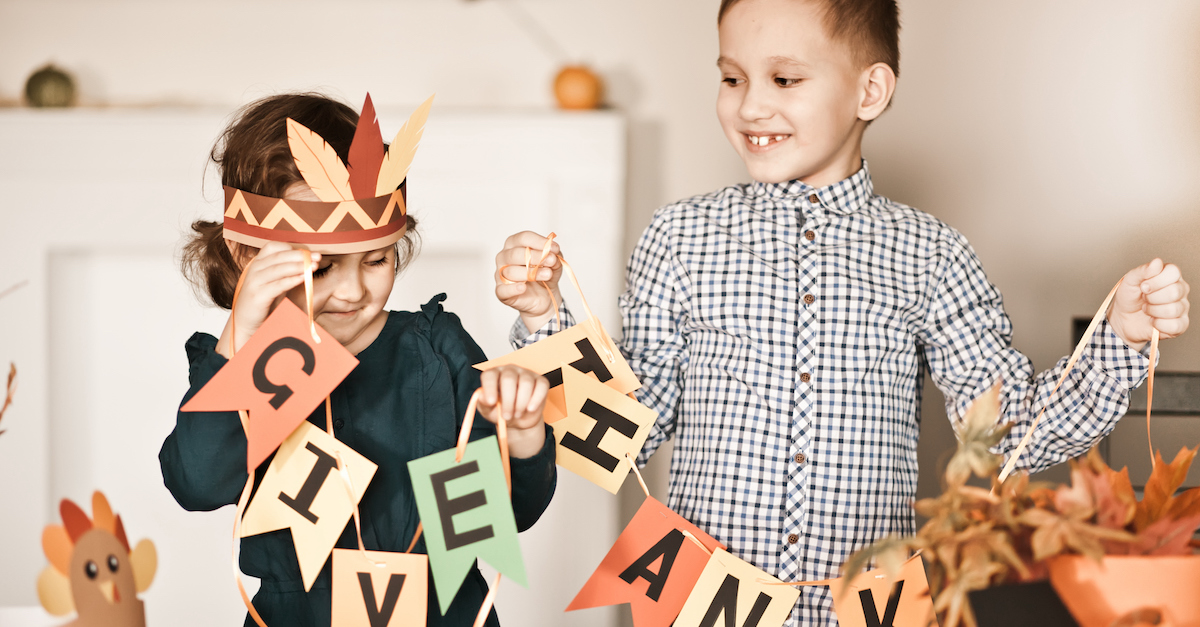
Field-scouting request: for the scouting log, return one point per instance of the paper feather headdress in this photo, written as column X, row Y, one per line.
column 362, row 204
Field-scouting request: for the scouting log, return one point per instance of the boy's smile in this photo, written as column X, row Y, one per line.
column 792, row 101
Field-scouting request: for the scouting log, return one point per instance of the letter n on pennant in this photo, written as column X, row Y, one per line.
column 731, row 593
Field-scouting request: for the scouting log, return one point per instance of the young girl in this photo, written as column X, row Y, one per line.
column 406, row 397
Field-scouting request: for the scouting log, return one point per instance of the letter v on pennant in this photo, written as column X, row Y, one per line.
column 281, row 375
column 383, row 590
column 601, row 426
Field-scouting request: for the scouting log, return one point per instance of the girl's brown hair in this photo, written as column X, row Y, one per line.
column 253, row 155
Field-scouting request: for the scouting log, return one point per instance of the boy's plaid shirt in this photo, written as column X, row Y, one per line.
column 782, row 332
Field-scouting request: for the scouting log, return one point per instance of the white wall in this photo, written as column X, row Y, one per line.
column 1062, row 138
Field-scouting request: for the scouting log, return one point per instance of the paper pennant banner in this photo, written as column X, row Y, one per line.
column 601, row 426
column 391, row 592
column 467, row 513
column 732, row 592
column 303, row 491
column 652, row 567
column 875, row 601
column 281, row 375
column 582, row 347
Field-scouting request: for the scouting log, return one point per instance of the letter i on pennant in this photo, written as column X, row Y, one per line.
column 380, row 590
column 601, row 426
column 301, row 492
column 467, row 514
column 732, row 592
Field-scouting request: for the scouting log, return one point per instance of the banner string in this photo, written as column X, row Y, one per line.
column 1083, row 342
column 1150, row 391
column 638, row 474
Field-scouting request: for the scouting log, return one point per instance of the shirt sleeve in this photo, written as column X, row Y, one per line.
column 967, row 343
column 520, row 337
column 203, row 460
column 652, row 316
column 534, row 479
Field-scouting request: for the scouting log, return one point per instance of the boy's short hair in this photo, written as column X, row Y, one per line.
column 870, row 27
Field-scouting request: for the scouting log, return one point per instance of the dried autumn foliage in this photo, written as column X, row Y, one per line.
column 976, row 538
column 11, row 390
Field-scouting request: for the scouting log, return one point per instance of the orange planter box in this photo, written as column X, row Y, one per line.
column 1099, row 593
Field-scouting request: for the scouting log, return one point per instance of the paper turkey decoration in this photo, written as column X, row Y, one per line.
column 92, row 570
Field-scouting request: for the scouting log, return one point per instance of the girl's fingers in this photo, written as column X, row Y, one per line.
column 508, row 388
column 537, row 399
column 525, row 386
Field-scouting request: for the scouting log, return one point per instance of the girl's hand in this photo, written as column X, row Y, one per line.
column 517, row 396
column 276, row 269
column 1151, row 296
column 513, row 286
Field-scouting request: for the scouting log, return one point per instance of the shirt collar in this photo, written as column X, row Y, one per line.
column 843, row 197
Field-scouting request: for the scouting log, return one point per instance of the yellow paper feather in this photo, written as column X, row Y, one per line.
column 319, row 164
column 402, row 150
column 54, row 591
column 144, row 558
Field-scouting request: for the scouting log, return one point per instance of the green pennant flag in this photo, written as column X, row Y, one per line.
column 467, row 514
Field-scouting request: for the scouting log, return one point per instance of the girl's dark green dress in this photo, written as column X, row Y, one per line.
column 404, row 400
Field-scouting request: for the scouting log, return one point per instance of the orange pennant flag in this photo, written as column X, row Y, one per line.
column 874, row 600
column 586, row 348
column 281, row 375
column 652, row 566
column 379, row 589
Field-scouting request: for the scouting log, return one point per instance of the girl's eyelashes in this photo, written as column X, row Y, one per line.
column 732, row 81
column 321, row 271
column 378, row 262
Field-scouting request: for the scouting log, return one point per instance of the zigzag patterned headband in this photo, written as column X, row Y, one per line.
column 362, row 206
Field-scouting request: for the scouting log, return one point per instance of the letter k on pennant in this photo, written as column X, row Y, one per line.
column 281, row 375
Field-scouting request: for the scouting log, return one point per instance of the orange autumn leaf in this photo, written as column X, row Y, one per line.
column 1164, row 480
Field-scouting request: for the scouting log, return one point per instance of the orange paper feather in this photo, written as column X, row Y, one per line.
column 102, row 515
column 319, row 164
column 57, row 546
column 400, row 154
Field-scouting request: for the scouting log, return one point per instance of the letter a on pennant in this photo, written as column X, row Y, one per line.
column 467, row 514
column 388, row 590
column 874, row 600
column 302, row 491
column 652, row 567
column 601, row 426
column 281, row 375
column 583, row 349
column 730, row 593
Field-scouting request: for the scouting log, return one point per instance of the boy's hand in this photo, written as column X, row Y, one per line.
column 517, row 396
column 276, row 269
column 1153, row 295
column 513, row 285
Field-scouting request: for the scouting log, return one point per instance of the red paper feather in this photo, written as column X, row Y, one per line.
column 74, row 519
column 366, row 153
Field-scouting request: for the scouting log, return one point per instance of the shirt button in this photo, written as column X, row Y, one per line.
column 799, row 458
column 805, row 377
column 813, row 199
column 809, row 299
column 339, row 423
column 810, row 236
column 793, row 538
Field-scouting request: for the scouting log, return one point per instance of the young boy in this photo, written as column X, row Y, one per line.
column 782, row 328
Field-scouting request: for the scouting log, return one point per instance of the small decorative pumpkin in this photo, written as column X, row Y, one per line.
column 50, row 87
column 577, row 87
